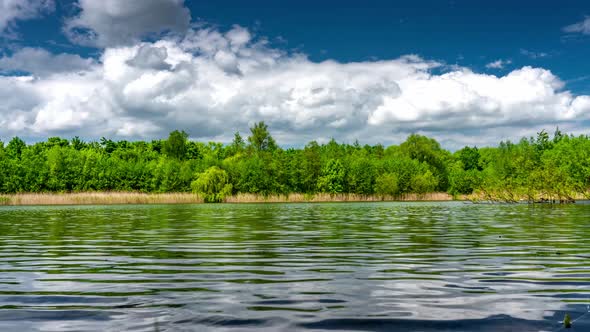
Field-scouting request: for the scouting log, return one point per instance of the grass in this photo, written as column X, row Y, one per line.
column 515, row 196
column 323, row 197
column 98, row 198
column 107, row 198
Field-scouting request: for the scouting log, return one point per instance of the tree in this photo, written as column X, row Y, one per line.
column 312, row 166
column 259, row 174
column 15, row 147
column 462, row 181
column 469, row 157
column 424, row 183
column 77, row 143
column 238, row 142
column 260, row 138
column 237, row 145
column 361, row 175
column 427, row 150
column 387, row 185
column 535, row 168
column 543, row 142
column 175, row 145
column 422, row 148
column 108, row 145
column 332, row 179
column 213, row 185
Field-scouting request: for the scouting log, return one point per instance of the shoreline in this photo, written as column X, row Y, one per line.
column 122, row 198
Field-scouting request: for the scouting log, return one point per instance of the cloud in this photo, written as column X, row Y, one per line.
column 498, row 64
column 148, row 57
column 212, row 83
column 582, row 27
column 114, row 22
column 532, row 54
column 13, row 10
column 40, row 62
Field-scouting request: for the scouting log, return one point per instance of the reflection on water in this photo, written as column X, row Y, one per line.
column 368, row 267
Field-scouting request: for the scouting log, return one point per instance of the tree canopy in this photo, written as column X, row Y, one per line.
column 555, row 166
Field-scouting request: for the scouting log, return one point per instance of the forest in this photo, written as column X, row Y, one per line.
column 545, row 167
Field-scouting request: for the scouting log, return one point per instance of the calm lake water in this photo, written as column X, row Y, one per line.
column 286, row 267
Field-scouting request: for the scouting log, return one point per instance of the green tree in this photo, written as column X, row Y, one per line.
column 77, row 143
column 175, row 145
column 387, row 185
column 463, row 181
column 15, row 147
column 361, row 175
column 469, row 158
column 428, row 150
column 312, row 166
column 237, row 144
column 424, row 183
column 213, row 185
column 534, row 168
column 332, row 179
column 260, row 138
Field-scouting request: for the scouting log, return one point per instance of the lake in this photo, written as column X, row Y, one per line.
column 449, row 266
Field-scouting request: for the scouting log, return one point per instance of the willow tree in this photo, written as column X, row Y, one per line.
column 213, row 185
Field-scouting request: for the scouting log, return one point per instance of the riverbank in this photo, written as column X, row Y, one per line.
column 110, row 198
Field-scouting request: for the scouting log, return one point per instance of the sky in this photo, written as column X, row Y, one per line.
column 462, row 72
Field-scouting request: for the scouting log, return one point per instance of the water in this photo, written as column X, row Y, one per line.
column 284, row 267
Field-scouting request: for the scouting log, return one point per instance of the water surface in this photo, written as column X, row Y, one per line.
column 285, row 267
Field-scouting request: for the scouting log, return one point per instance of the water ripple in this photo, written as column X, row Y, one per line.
column 283, row 267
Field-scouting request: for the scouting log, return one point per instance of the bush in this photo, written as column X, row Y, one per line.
column 387, row 184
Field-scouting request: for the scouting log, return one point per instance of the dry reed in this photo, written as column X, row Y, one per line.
column 107, row 198
column 99, row 198
column 323, row 197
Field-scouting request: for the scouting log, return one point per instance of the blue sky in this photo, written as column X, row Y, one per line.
column 470, row 33
column 447, row 69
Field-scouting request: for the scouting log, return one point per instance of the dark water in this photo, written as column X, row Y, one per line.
column 355, row 267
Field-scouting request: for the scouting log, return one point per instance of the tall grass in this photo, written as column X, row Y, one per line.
column 516, row 196
column 106, row 198
column 323, row 197
column 99, row 198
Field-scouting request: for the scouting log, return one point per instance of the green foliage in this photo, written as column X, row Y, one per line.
column 311, row 166
column 361, row 175
column 428, row 151
column 15, row 147
column 175, row 145
column 260, row 138
column 332, row 179
column 238, row 145
column 463, row 180
column 469, row 158
column 259, row 174
column 556, row 168
column 213, row 185
column 387, row 184
column 423, row 183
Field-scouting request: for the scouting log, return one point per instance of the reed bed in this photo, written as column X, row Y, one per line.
column 507, row 196
column 109, row 198
column 99, row 198
column 323, row 197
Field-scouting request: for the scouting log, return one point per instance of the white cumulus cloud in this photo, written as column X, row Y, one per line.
column 40, row 62
column 212, row 83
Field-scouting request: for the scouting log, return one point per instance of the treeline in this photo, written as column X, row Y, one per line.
column 555, row 167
